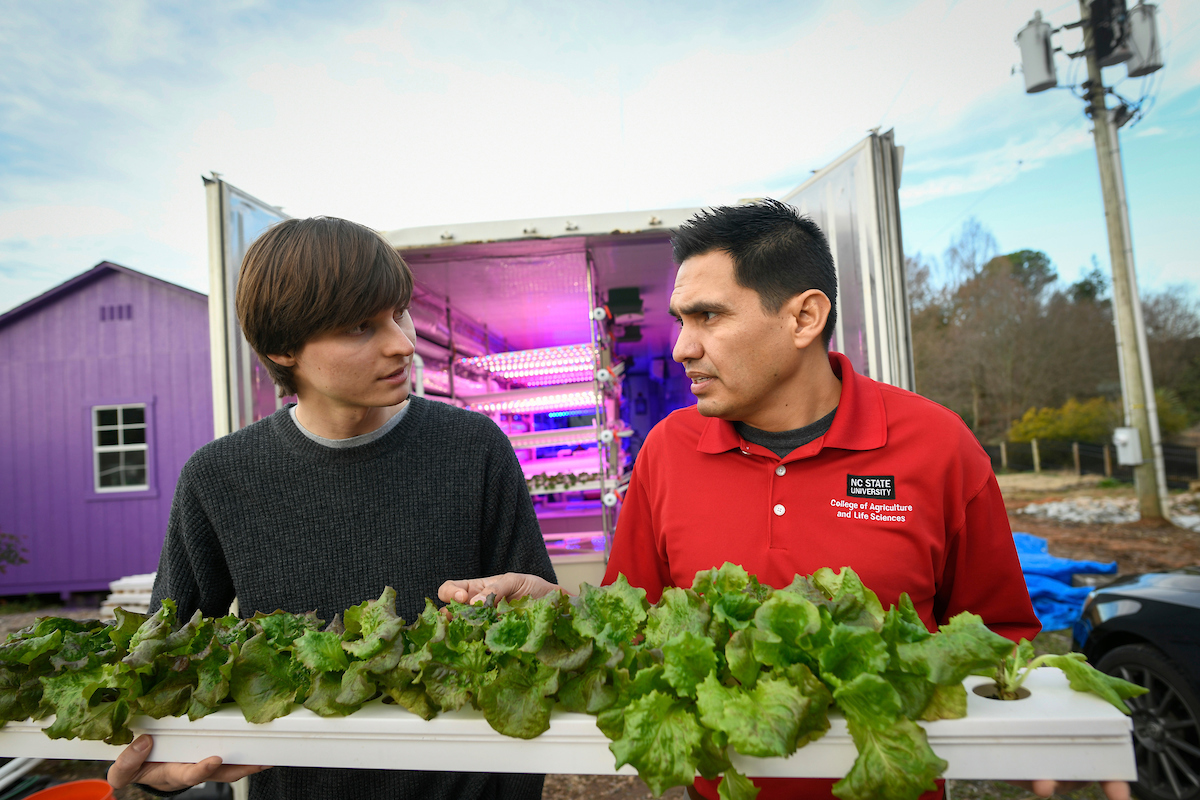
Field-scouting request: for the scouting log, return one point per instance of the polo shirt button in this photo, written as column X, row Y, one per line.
column 779, row 509
column 781, row 470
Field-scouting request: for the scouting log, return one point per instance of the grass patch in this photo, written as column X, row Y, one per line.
column 30, row 602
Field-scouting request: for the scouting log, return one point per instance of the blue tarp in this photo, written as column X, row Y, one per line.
column 1055, row 601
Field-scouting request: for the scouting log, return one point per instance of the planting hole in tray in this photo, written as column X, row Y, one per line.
column 992, row 692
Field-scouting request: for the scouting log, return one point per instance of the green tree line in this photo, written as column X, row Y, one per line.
column 1019, row 353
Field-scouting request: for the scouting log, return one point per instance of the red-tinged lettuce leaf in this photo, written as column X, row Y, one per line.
column 687, row 660
column 517, row 702
column 677, row 611
column 157, row 626
column 711, row 756
column 22, row 652
column 322, row 697
column 123, row 627
column 429, row 627
column 588, row 691
column 612, row 615
column 729, row 578
column 86, row 706
column 155, row 639
column 358, row 685
column 916, row 692
column 902, row 625
column 948, row 702
column 79, row 647
column 283, row 629
column 1082, row 677
column 611, row 721
column 797, row 627
column 525, row 628
column 454, row 675
column 736, row 786
column 893, row 763
column 852, row 651
column 214, row 665
column 45, row 625
column 963, row 645
column 661, row 738
column 569, row 655
column 359, row 681
column 850, row 602
column 814, row 722
column 321, row 651
column 20, row 694
column 741, row 654
column 171, row 694
column 732, row 594
column 869, row 701
column 262, row 680
column 371, row 625
column 764, row 721
column 402, row 688
column 449, row 688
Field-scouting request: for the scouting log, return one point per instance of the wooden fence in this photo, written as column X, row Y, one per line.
column 1182, row 463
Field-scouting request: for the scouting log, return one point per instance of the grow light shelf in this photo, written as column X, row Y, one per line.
column 585, row 486
column 541, row 365
column 1056, row 733
column 567, row 397
column 574, row 464
column 560, row 436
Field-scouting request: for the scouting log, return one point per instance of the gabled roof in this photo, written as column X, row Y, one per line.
column 78, row 282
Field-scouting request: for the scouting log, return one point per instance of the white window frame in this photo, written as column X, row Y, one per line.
column 98, row 449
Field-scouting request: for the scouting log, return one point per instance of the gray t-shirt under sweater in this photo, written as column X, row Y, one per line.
column 284, row 522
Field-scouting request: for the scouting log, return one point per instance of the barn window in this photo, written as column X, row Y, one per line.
column 119, row 445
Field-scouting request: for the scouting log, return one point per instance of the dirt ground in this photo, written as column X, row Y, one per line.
column 1136, row 547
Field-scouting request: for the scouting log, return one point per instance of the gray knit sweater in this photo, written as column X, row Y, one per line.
column 281, row 522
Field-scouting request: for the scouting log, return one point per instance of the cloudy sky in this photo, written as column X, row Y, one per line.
column 401, row 114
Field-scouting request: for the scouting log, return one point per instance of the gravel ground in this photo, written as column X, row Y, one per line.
column 1135, row 546
column 1184, row 510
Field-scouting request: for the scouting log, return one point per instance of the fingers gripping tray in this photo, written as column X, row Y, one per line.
column 1054, row 733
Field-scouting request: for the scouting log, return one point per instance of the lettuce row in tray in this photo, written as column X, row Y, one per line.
column 729, row 662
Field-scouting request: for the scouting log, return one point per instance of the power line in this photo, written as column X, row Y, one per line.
column 958, row 217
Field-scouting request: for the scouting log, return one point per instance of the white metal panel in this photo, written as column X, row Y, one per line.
column 541, row 228
column 242, row 390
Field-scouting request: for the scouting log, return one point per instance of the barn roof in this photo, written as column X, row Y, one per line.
column 78, row 282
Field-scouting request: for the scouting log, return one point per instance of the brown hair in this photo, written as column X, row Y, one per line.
column 306, row 277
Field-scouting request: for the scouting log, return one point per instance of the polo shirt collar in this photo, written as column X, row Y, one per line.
column 860, row 422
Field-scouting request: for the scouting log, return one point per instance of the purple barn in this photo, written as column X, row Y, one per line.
column 105, row 391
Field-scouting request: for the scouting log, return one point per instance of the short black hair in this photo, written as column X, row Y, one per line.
column 776, row 251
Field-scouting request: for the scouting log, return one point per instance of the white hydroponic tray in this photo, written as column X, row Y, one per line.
column 1056, row 733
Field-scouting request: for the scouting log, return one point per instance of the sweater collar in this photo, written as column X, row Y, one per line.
column 860, row 423
column 305, row 448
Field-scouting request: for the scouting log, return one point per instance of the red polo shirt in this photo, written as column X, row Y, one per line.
column 899, row 489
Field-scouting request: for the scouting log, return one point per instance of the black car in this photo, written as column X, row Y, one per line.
column 1146, row 629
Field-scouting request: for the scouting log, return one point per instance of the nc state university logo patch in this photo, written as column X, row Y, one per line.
column 876, row 487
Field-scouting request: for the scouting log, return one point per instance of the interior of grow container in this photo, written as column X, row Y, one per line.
column 506, row 329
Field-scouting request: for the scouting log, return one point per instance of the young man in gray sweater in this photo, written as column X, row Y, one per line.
column 356, row 487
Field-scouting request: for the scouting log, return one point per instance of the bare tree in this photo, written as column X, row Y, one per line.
column 1001, row 334
column 966, row 255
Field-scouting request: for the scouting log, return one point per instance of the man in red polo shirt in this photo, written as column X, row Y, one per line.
column 790, row 461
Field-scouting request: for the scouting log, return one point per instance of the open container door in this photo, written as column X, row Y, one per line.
column 242, row 389
column 539, row 284
column 855, row 201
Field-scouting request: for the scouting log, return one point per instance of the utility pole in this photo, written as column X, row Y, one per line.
column 1137, row 382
